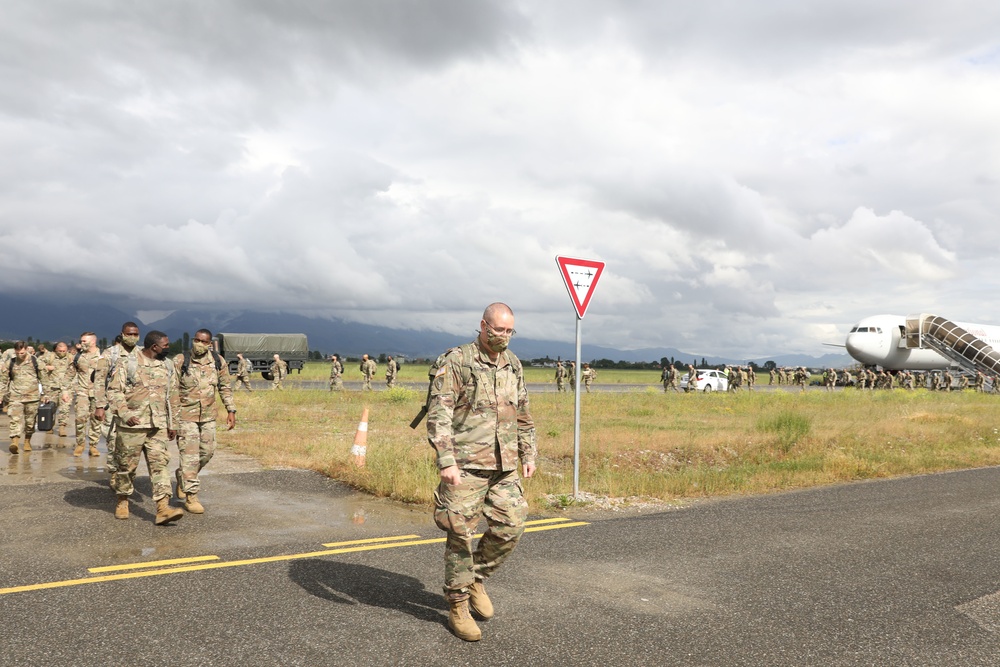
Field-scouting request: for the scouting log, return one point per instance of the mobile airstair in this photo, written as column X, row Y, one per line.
column 952, row 342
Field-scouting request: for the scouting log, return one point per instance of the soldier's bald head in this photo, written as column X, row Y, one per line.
column 495, row 310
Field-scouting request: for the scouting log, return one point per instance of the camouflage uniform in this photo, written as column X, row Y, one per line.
column 197, row 414
column 588, row 375
column 19, row 386
column 771, row 376
column 147, row 389
column 279, row 369
column 368, row 368
column 751, row 378
column 390, row 373
column 561, row 377
column 479, row 420
column 114, row 355
column 243, row 374
column 336, row 375
column 59, row 386
column 85, row 368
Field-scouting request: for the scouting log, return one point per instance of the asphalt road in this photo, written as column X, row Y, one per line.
column 903, row 572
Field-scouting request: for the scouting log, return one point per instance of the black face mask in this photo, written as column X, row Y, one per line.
column 162, row 354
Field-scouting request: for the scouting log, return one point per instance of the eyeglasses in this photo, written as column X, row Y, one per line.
column 500, row 332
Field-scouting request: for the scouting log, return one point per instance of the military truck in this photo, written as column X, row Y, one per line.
column 260, row 348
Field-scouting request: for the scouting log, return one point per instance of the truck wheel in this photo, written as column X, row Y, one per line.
column 267, row 375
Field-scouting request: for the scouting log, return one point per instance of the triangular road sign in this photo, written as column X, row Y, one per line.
column 580, row 276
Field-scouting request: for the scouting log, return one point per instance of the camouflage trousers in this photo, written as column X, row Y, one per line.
column 196, row 444
column 111, row 439
column 560, row 384
column 366, row 384
column 336, row 383
column 498, row 496
column 276, row 382
column 390, row 382
column 63, row 400
column 85, row 417
column 132, row 442
column 22, row 418
column 242, row 381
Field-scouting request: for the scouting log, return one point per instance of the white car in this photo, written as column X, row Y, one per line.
column 708, row 379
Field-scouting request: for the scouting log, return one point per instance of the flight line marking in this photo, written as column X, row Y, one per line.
column 197, row 563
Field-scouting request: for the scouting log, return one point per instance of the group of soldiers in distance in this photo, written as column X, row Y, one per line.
column 368, row 368
column 863, row 378
column 567, row 371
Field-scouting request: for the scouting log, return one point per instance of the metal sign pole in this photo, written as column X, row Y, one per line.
column 576, row 417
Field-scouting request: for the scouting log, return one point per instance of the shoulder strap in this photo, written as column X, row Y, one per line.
column 218, row 361
column 76, row 360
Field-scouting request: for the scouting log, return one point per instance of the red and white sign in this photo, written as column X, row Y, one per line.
column 580, row 276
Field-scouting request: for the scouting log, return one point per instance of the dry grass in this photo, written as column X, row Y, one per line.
column 645, row 443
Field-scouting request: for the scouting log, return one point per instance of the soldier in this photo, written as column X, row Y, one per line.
column 946, row 381
column 771, row 376
column 830, row 379
column 200, row 373
column 675, row 379
column 751, row 378
column 368, row 368
column 278, row 371
column 19, row 380
column 479, row 425
column 390, row 372
column 85, row 368
column 336, row 374
column 243, row 371
column 665, row 377
column 588, row 375
column 980, row 382
column 143, row 393
column 59, row 376
column 802, row 377
column 963, row 382
column 114, row 355
column 560, row 377
column 571, row 376
column 744, row 377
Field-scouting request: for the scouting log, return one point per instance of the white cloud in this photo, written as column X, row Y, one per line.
column 756, row 177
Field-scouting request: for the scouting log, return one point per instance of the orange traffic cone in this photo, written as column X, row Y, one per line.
column 360, row 447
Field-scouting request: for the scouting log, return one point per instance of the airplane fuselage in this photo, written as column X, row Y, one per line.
column 877, row 341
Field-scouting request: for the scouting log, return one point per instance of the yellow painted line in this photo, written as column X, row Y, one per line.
column 152, row 563
column 251, row 561
column 535, row 529
column 370, row 541
column 540, row 521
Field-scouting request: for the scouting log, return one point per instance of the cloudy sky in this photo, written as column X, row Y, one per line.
column 757, row 176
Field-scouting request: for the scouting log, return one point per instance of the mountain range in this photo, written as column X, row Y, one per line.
column 46, row 321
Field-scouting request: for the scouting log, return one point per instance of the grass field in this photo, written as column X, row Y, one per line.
column 639, row 444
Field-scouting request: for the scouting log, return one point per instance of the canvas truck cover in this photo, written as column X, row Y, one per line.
column 260, row 344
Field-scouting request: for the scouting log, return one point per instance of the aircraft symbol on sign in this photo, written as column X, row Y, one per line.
column 580, row 276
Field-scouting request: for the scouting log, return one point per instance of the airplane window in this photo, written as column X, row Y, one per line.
column 862, row 329
column 877, row 329
column 853, row 329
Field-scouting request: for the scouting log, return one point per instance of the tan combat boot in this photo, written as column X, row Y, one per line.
column 27, row 443
column 94, row 451
column 62, row 431
column 460, row 620
column 165, row 513
column 479, row 601
column 15, row 444
column 180, row 485
column 121, row 509
column 192, row 505
column 78, row 451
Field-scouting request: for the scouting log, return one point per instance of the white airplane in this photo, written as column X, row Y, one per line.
column 880, row 341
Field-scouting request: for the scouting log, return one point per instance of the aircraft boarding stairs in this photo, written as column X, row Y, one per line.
column 951, row 341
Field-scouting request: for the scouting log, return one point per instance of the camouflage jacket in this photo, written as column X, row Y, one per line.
column 197, row 388
column 390, row 369
column 279, row 368
column 243, row 368
column 336, row 369
column 147, row 389
column 478, row 416
column 114, row 355
column 85, row 369
column 368, row 368
column 61, row 376
column 19, row 382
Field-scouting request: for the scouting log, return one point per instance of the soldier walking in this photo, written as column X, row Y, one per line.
column 479, row 425
column 560, row 377
column 58, row 385
column 124, row 345
column 19, row 381
column 390, row 372
column 588, row 375
column 368, row 368
column 242, row 373
column 200, row 373
column 143, row 393
column 88, row 426
column 336, row 374
column 278, row 371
